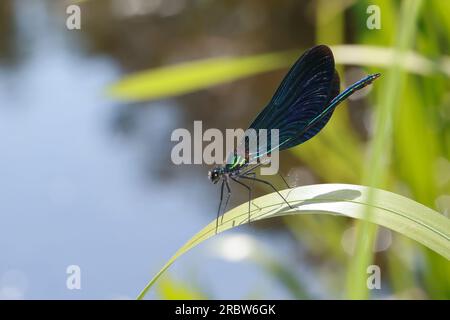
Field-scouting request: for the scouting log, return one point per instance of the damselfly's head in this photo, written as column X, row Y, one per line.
column 214, row 175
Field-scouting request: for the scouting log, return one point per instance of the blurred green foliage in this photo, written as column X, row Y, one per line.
column 405, row 149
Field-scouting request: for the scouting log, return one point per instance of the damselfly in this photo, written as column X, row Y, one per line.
column 299, row 109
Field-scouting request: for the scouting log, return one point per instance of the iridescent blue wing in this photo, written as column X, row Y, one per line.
column 303, row 94
column 318, row 122
column 301, row 106
column 306, row 132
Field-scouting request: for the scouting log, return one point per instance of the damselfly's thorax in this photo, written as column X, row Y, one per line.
column 236, row 162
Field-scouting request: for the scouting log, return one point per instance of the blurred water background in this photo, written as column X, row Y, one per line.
column 87, row 179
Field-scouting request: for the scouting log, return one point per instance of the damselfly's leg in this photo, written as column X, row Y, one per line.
column 220, row 205
column 253, row 175
column 247, row 170
column 269, row 184
column 284, row 180
column 249, row 195
column 228, row 198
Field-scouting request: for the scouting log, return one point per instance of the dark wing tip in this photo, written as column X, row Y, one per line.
column 320, row 51
column 322, row 48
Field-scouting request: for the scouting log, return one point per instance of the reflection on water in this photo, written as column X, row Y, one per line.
column 71, row 188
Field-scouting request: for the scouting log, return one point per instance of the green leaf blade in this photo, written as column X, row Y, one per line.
column 188, row 77
column 388, row 209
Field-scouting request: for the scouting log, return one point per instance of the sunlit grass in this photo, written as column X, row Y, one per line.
column 387, row 209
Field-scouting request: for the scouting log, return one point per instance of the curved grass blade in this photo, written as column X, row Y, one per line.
column 388, row 209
